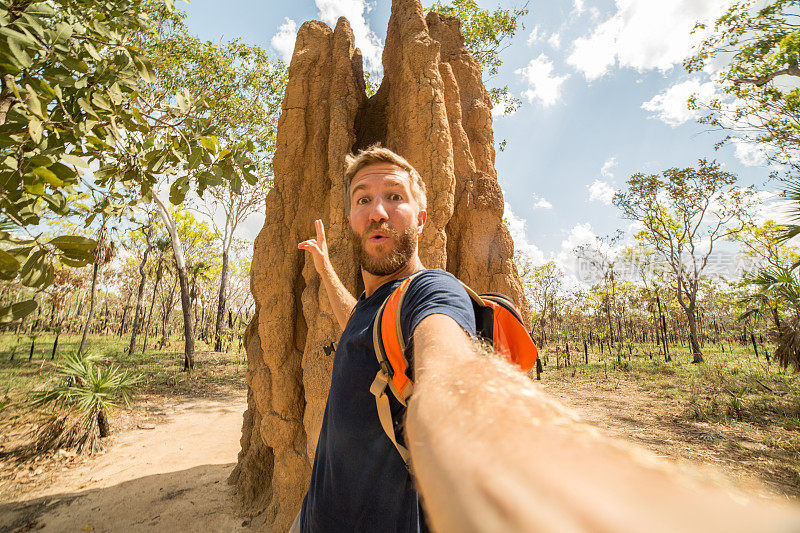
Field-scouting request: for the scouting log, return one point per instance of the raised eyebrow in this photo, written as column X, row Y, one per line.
column 356, row 189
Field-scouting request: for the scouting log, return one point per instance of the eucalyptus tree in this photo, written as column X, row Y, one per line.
column 161, row 246
column 486, row 34
column 544, row 286
column 76, row 89
column 243, row 88
column 104, row 252
column 684, row 214
column 598, row 259
column 758, row 45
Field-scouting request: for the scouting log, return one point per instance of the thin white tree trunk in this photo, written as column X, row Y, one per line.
column 180, row 266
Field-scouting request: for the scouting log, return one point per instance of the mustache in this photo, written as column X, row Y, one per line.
column 380, row 226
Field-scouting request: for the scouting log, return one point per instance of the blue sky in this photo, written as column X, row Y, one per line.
column 603, row 92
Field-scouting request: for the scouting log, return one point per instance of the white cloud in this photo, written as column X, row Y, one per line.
column 555, row 40
column 536, row 35
column 670, row 105
column 542, row 85
column 610, row 163
column 644, row 34
column 541, row 203
column 749, row 153
column 517, row 228
column 283, row 41
column 770, row 205
column 578, row 6
column 579, row 235
column 366, row 39
column 601, row 191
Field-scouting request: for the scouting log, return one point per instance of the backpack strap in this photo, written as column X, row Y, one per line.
column 387, row 338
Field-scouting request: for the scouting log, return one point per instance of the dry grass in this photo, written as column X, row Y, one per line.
column 735, row 412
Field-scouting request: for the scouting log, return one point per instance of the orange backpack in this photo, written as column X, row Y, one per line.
column 498, row 322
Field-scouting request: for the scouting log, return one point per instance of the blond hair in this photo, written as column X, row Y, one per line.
column 378, row 154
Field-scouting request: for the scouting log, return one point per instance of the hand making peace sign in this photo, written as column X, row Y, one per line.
column 318, row 247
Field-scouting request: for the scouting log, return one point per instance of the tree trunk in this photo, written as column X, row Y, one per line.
column 188, row 333
column 167, row 317
column 755, row 347
column 125, row 314
column 159, row 274
column 667, row 357
column 95, row 271
column 102, row 424
column 55, row 344
column 221, row 302
column 180, row 266
column 202, row 321
column 697, row 354
column 105, row 316
column 140, row 292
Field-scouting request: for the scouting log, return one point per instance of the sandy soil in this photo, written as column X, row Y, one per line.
column 729, row 454
column 166, row 468
column 166, row 473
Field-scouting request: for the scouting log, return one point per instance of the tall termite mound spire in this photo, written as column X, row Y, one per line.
column 431, row 108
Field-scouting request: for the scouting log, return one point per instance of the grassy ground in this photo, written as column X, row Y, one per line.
column 736, row 411
column 216, row 375
column 161, row 369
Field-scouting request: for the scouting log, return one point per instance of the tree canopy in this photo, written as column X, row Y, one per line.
column 486, row 34
column 82, row 110
column 759, row 48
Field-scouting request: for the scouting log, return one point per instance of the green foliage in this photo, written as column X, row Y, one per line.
column 241, row 86
column 59, row 61
column 486, row 35
column 542, row 285
column 684, row 211
column 79, row 87
column 81, row 394
column 759, row 45
column 792, row 194
column 778, row 294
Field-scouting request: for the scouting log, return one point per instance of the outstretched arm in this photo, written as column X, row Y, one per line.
column 341, row 300
column 491, row 452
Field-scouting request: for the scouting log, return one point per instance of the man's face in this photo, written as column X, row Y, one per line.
column 385, row 218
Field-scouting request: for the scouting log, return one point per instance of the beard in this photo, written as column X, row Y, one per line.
column 392, row 261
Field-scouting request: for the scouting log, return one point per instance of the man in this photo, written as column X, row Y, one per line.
column 485, row 441
column 359, row 481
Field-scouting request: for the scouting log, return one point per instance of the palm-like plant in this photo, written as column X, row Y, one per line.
column 81, row 396
column 778, row 286
column 792, row 193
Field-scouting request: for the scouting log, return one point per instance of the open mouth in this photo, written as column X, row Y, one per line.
column 378, row 239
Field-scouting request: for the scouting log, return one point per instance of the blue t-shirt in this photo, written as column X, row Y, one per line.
column 359, row 481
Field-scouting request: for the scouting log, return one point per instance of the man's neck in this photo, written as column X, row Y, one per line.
column 372, row 282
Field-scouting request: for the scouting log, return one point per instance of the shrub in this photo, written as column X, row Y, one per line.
column 81, row 396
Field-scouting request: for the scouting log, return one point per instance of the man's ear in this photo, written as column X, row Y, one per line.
column 421, row 218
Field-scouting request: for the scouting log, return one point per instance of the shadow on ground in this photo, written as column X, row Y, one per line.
column 196, row 499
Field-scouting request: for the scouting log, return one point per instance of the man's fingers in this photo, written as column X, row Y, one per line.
column 320, row 231
column 305, row 245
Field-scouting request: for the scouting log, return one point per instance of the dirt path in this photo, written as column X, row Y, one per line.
column 166, row 469
column 167, row 476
